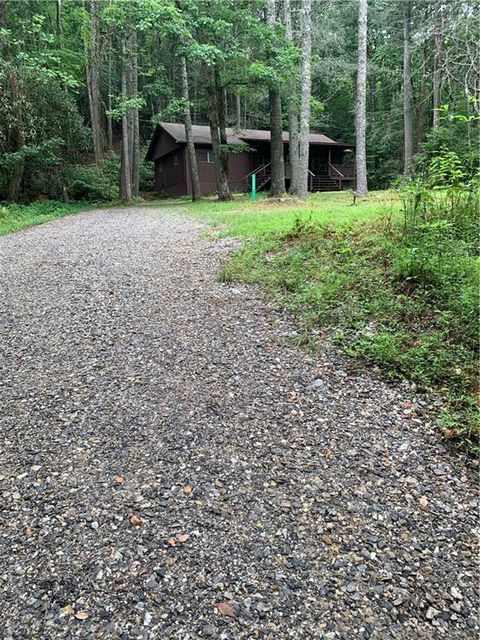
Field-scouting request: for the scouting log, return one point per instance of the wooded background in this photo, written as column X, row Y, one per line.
column 82, row 83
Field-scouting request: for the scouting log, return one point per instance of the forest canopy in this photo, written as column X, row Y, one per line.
column 83, row 83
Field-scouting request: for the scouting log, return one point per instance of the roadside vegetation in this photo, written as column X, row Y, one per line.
column 393, row 279
column 14, row 217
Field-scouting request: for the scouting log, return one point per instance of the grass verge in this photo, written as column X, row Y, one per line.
column 14, row 217
column 406, row 303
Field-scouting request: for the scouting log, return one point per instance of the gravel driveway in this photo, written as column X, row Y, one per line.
column 171, row 467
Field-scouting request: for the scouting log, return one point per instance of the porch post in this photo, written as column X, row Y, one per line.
column 329, row 159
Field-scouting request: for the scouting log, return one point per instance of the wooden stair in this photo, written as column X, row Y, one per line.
column 324, row 183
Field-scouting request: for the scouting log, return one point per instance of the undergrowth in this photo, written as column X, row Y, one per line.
column 399, row 294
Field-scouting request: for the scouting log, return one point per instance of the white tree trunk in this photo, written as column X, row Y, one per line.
column 293, row 142
column 306, row 90
column 437, row 66
column 407, row 88
column 361, row 102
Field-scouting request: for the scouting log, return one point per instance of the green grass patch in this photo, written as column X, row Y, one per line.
column 405, row 300
column 243, row 218
column 14, row 217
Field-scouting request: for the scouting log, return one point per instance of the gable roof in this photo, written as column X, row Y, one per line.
column 201, row 135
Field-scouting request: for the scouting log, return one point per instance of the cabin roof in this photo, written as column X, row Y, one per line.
column 201, row 135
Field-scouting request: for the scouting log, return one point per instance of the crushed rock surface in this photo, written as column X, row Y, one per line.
column 171, row 467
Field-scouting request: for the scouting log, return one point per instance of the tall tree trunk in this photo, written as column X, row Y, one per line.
column 293, row 142
column 16, row 175
column 361, row 101
column 58, row 21
column 222, row 120
column 125, row 170
column 109, row 98
column 135, row 122
column 192, row 158
column 306, row 90
column 407, row 88
column 276, row 127
column 421, row 102
column 223, row 190
column 437, row 66
column 93, row 79
column 238, row 111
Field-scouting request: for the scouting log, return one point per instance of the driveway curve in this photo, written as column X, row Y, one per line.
column 171, row 467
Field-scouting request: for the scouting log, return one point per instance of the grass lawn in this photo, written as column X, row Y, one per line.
column 241, row 217
column 406, row 303
column 14, row 217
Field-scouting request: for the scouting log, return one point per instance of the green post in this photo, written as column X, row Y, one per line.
column 254, row 187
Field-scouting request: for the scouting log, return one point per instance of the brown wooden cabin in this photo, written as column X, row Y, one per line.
column 331, row 164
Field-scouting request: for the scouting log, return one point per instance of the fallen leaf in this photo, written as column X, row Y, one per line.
column 405, row 536
column 172, row 542
column 327, row 539
column 463, row 479
column 407, row 405
column 136, row 521
column 450, row 433
column 67, row 610
column 28, row 531
column 187, row 489
column 170, row 561
column 183, row 537
column 225, row 609
column 423, row 502
column 81, row 615
column 119, row 479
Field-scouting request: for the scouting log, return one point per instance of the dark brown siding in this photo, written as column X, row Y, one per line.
column 163, row 144
column 238, row 168
column 170, row 175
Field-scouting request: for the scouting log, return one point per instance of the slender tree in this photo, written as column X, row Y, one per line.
column 192, row 157
column 293, row 141
column 360, row 107
column 125, row 168
column 276, row 125
column 407, row 88
column 437, row 65
column 306, row 90
column 93, row 81
column 223, row 190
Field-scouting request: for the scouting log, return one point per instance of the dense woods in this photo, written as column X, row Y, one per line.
column 83, row 82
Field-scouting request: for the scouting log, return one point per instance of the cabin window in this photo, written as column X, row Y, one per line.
column 205, row 157
column 175, row 159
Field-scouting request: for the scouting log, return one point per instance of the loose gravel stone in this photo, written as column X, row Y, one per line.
column 128, row 372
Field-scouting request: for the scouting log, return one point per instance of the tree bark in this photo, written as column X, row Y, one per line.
column 109, row 97
column 223, row 190
column 125, row 170
column 135, row 149
column 437, row 67
column 421, row 103
column 16, row 175
column 407, row 88
column 293, row 141
column 306, row 90
column 93, row 79
column 238, row 111
column 222, row 119
column 360, row 107
column 192, row 158
column 276, row 127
